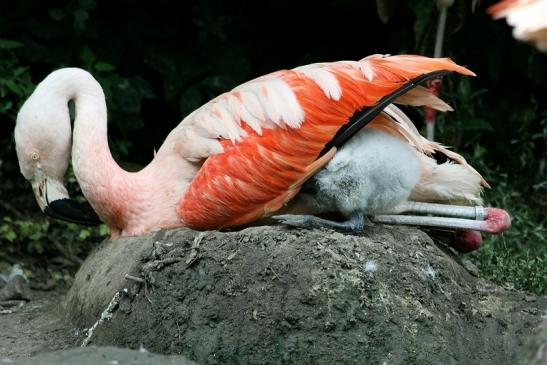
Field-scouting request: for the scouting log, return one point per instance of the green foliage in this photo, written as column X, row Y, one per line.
column 14, row 230
column 517, row 257
column 59, row 245
column 15, row 81
column 517, row 174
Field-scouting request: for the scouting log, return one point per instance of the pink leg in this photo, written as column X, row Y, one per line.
column 443, row 210
column 496, row 221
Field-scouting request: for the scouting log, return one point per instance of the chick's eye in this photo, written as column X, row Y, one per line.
column 34, row 156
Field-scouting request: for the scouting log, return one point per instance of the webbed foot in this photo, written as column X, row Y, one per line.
column 354, row 224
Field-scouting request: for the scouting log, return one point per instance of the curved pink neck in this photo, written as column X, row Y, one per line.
column 131, row 203
column 98, row 174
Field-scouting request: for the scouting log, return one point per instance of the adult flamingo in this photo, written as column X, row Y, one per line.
column 238, row 158
column 527, row 17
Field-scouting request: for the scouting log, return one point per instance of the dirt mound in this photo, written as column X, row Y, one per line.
column 103, row 356
column 34, row 327
column 535, row 351
column 273, row 295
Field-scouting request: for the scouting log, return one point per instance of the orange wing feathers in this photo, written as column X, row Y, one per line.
column 258, row 173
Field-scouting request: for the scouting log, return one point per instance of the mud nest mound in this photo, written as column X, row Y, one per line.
column 271, row 295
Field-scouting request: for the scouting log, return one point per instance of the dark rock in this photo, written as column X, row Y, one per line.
column 17, row 288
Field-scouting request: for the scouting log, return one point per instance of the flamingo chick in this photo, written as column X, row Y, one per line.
column 241, row 157
column 388, row 168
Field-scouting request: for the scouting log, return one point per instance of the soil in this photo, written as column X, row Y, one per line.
column 103, row 356
column 35, row 327
column 271, row 295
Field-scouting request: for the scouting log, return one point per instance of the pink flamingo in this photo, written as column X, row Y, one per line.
column 527, row 17
column 239, row 158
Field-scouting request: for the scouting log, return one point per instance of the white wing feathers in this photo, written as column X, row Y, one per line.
column 321, row 75
column 266, row 102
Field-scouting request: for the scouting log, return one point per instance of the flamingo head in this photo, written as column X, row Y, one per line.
column 43, row 140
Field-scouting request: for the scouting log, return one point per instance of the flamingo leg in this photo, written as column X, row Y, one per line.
column 495, row 224
column 443, row 210
column 354, row 224
column 491, row 220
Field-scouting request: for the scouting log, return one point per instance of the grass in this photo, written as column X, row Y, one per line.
column 506, row 143
column 518, row 257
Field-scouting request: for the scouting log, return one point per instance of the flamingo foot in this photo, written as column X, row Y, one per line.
column 497, row 220
column 467, row 241
column 355, row 224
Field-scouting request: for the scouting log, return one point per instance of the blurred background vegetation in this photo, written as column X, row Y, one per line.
column 157, row 63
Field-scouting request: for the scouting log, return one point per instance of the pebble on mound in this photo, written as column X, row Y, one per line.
column 271, row 295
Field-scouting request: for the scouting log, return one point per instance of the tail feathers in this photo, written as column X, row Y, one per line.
column 397, row 123
column 421, row 96
column 447, row 183
column 459, row 159
column 423, row 145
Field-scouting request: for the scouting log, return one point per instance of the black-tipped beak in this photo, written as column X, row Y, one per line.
column 53, row 199
column 73, row 212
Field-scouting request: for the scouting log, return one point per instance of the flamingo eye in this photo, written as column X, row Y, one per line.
column 34, row 156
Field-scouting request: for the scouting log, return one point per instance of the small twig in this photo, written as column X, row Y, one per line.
column 221, row 245
column 158, row 264
column 105, row 316
column 73, row 258
column 178, row 329
column 134, row 278
column 146, row 293
column 275, row 274
column 12, row 303
column 141, row 281
column 14, row 211
column 71, row 252
column 194, row 254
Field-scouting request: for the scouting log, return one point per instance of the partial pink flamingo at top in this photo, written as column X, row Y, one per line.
column 528, row 19
column 331, row 128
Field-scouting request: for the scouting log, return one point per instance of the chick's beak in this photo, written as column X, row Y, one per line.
column 53, row 199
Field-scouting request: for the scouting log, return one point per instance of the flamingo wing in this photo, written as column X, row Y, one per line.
column 263, row 139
